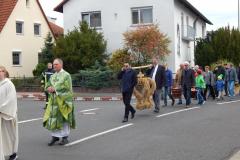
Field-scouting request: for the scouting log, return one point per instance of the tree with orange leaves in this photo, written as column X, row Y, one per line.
column 145, row 42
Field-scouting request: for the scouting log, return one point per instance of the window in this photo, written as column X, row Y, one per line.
column 37, row 29
column 27, row 3
column 16, row 57
column 92, row 18
column 142, row 15
column 19, row 27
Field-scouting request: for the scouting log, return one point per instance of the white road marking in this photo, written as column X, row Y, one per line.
column 89, row 113
column 229, row 102
column 98, row 134
column 37, row 119
column 30, row 120
column 87, row 110
column 183, row 110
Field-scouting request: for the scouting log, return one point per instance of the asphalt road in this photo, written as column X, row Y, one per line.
column 209, row 132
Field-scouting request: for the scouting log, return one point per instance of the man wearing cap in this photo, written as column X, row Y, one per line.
column 187, row 82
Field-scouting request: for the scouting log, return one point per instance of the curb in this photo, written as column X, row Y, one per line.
column 41, row 97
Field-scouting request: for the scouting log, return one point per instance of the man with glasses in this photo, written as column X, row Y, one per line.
column 129, row 80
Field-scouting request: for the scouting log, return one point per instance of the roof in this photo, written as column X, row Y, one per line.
column 6, row 8
column 59, row 8
column 194, row 10
column 57, row 30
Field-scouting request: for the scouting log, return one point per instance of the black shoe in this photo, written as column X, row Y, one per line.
column 52, row 142
column 124, row 120
column 64, row 141
column 133, row 114
column 156, row 111
column 13, row 156
column 173, row 102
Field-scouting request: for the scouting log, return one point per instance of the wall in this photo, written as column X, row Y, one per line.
column 116, row 18
column 29, row 44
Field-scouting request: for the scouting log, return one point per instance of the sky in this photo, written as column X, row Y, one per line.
column 219, row 12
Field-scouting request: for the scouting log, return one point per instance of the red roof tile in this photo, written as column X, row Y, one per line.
column 57, row 30
column 6, row 8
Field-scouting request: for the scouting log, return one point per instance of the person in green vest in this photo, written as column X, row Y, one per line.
column 200, row 86
column 59, row 114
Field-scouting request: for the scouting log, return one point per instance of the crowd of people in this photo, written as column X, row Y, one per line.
column 196, row 82
column 59, row 110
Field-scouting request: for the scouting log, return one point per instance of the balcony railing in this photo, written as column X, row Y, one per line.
column 188, row 33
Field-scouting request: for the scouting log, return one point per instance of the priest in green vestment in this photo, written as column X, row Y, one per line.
column 59, row 114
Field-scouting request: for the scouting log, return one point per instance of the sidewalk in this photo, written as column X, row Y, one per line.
column 39, row 96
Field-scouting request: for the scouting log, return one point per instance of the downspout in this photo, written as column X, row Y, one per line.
column 194, row 37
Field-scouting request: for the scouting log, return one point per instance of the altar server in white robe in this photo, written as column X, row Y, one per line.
column 8, row 118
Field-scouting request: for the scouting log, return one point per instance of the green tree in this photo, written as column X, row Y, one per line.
column 95, row 77
column 80, row 48
column 45, row 56
column 222, row 44
column 145, row 42
column 117, row 59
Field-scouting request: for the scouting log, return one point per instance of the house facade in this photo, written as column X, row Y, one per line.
column 177, row 18
column 23, row 29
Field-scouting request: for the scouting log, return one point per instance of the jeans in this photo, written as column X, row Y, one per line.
column 167, row 92
column 199, row 95
column 231, row 88
column 156, row 98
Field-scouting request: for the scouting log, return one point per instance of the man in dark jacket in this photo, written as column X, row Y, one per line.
column 157, row 73
column 188, row 81
column 129, row 80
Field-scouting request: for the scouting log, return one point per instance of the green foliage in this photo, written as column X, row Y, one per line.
column 146, row 42
column 223, row 44
column 118, row 58
column 46, row 54
column 219, row 62
column 39, row 69
column 96, row 77
column 26, row 83
column 80, row 48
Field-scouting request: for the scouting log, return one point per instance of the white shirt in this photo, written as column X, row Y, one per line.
column 154, row 72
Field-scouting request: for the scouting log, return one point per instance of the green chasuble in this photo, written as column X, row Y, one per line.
column 60, row 108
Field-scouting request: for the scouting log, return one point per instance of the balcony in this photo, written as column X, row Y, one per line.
column 188, row 33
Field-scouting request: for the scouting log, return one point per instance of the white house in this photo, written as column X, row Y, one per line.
column 182, row 22
column 23, row 29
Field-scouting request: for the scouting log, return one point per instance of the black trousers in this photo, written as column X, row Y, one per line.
column 226, row 88
column 211, row 89
column 126, row 100
column 47, row 96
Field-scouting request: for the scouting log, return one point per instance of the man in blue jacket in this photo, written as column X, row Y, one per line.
column 129, row 80
column 168, row 85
